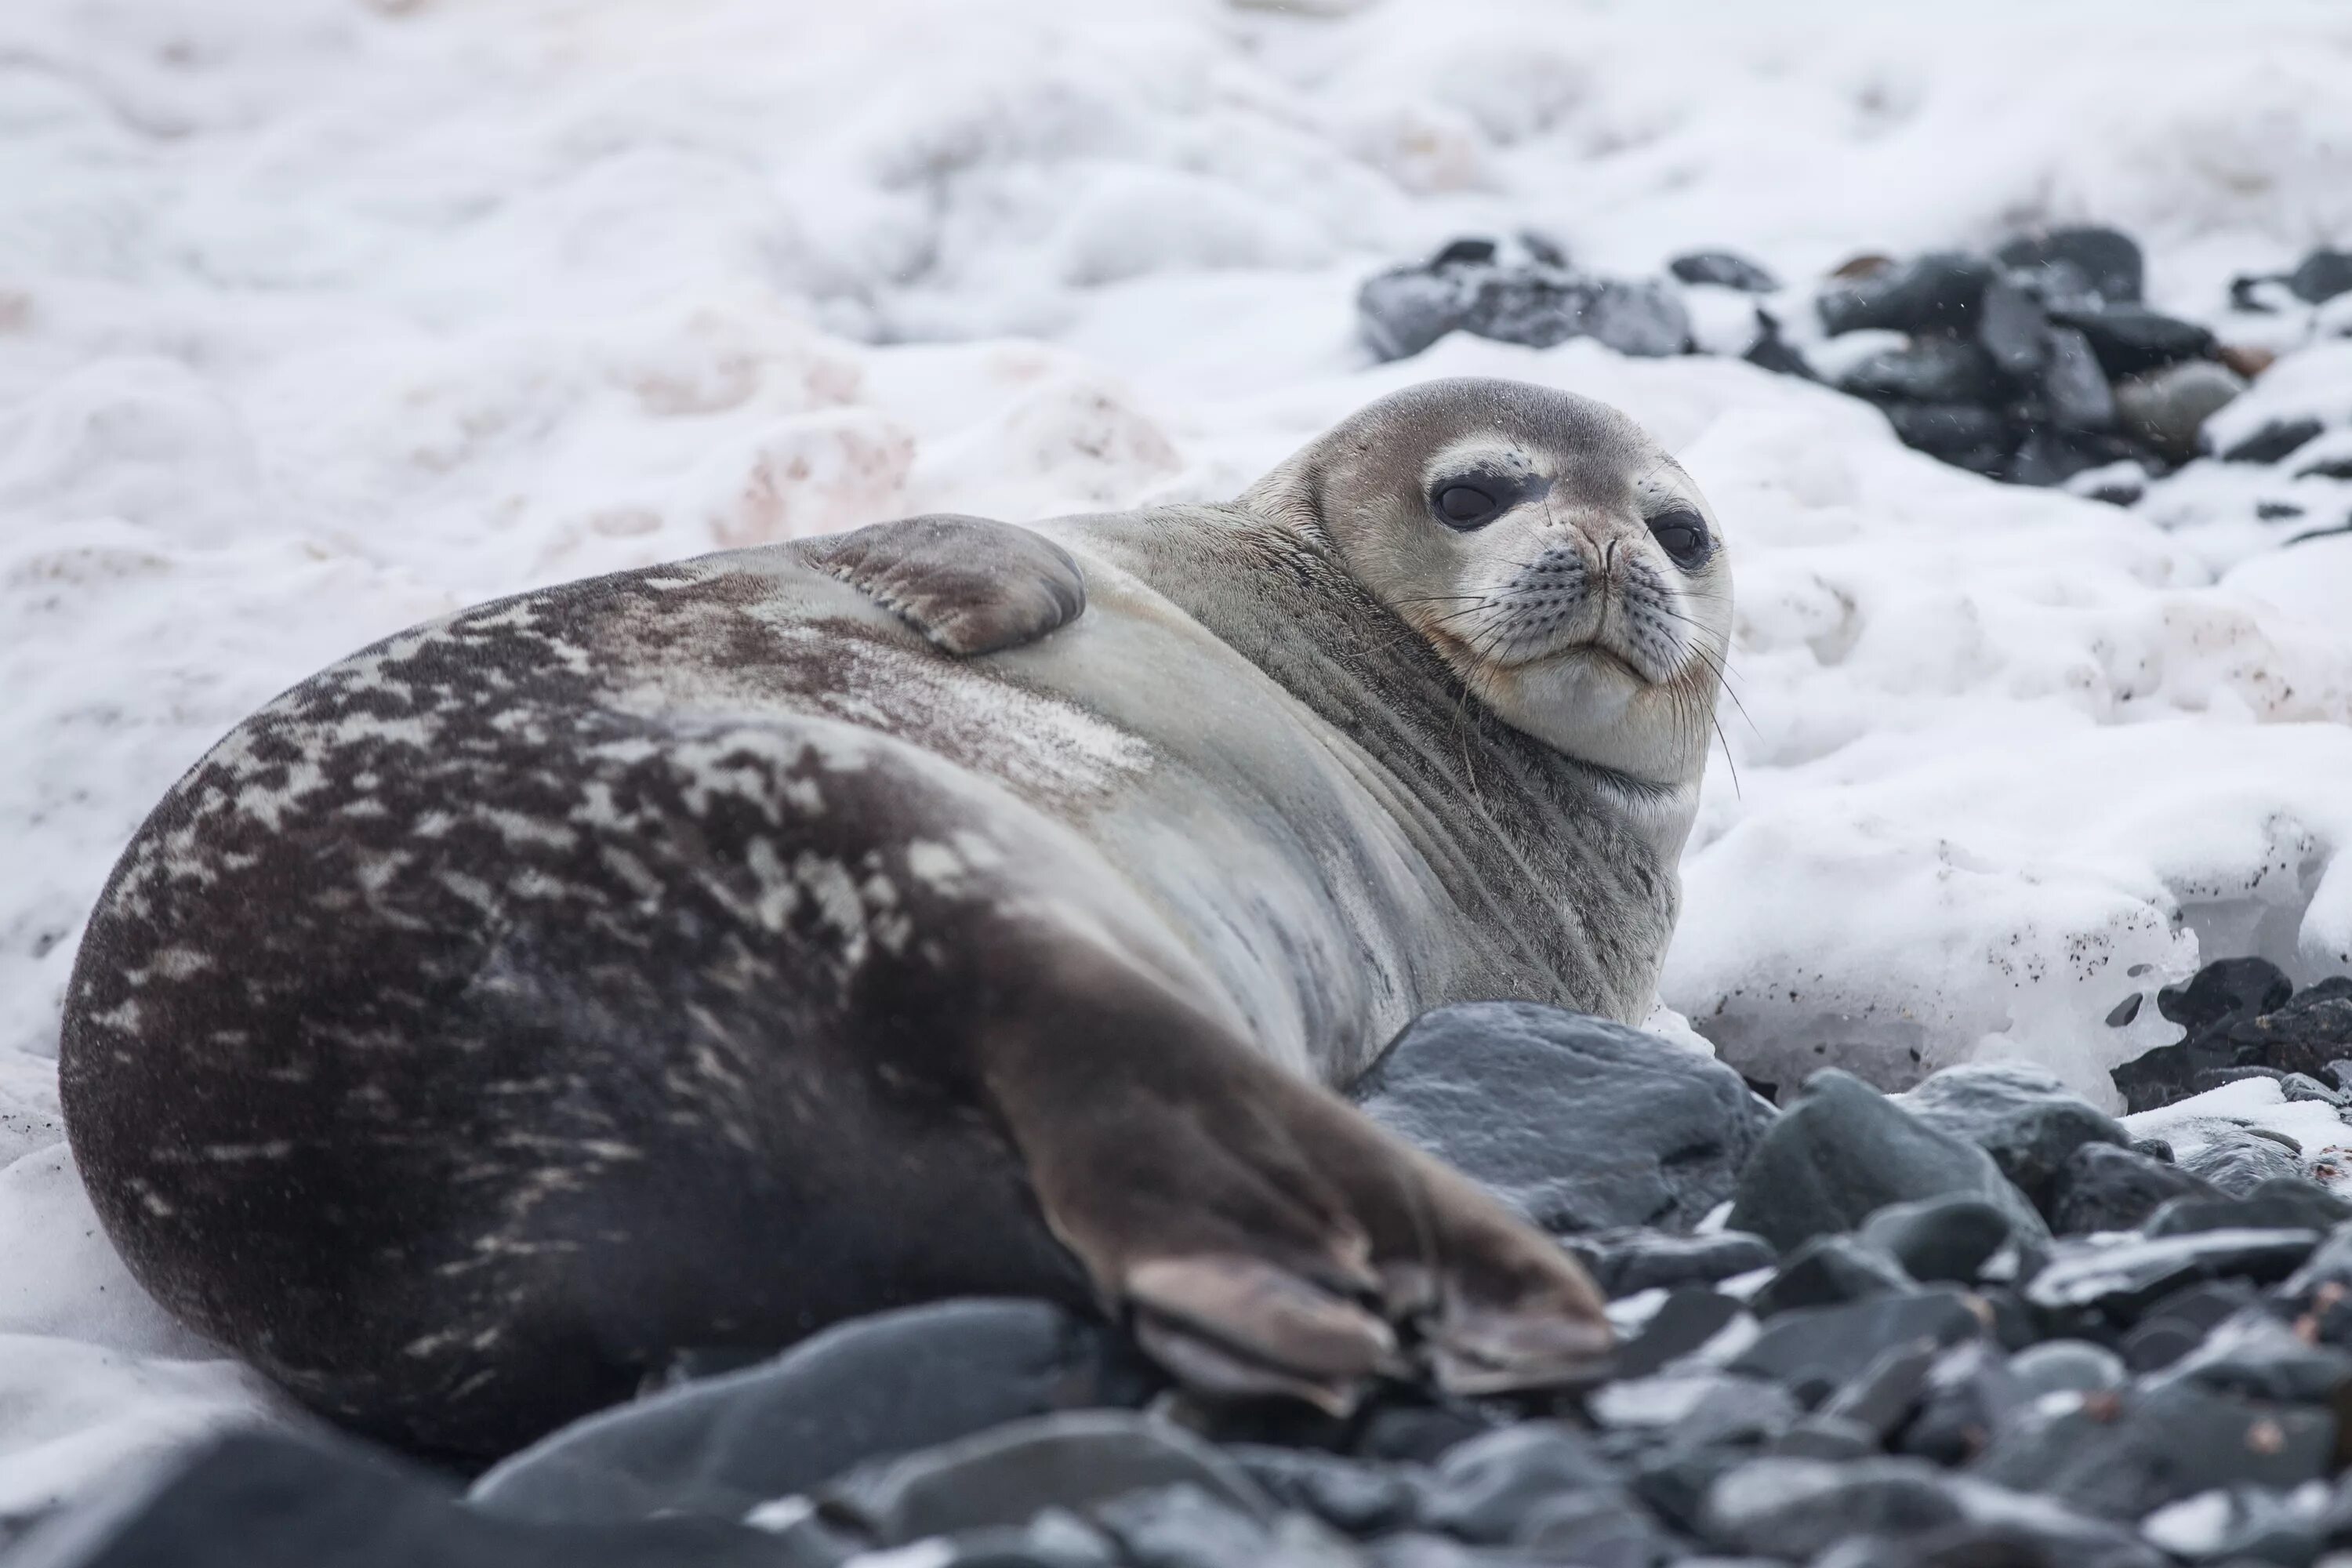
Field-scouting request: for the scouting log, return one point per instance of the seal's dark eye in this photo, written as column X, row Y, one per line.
column 1465, row 506
column 1684, row 535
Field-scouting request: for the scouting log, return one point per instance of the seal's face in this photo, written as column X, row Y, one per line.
column 1558, row 558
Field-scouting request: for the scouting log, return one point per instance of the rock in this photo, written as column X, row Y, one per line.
column 2108, row 259
column 2223, row 1008
column 2301, row 1034
column 880, row 1386
column 2275, row 438
column 2122, row 1280
column 2247, row 359
column 1970, row 1394
column 2237, row 1165
column 1939, row 292
column 1483, row 1489
column 2338, row 467
column 2290, row 1204
column 1723, row 268
column 1950, row 430
column 1772, row 352
column 1359, row 1497
column 1821, row 1348
column 1940, row 1240
column 1737, row 1410
column 2235, row 1525
column 2066, row 1366
column 1843, row 1150
column 2075, row 385
column 2129, row 339
column 1646, row 319
column 2255, row 1355
column 1536, row 305
column 1824, row 1438
column 2166, row 408
column 1600, row 1528
column 1581, row 1124
column 278, row 1499
column 1008, row 1474
column 2122, row 1455
column 1416, row 1434
column 1183, row 1526
column 2117, row 484
column 2105, row 1188
column 1827, row 1270
column 1402, row 312
column 2179, row 1323
column 1882, row 1397
column 1931, row 370
column 2014, row 331
column 2224, row 991
column 2322, row 276
column 1794, row 1508
column 2051, row 456
column 1624, row 1261
column 2020, row 1115
column 2300, row 1086
column 1685, row 1321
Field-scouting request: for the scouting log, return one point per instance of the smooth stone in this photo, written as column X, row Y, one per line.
column 1483, row 1489
column 1931, row 370
column 1183, row 1526
column 2129, row 339
column 1055, row 1539
column 1604, row 1528
column 1645, row 319
column 1010, row 1473
column 2239, row 1165
column 2121, row 1456
column 1581, row 1124
column 2167, row 409
column 2256, row 1355
column 2105, row 1188
column 266, row 1499
column 1419, row 1549
column 2106, row 260
column 886, row 1384
column 2020, row 1115
column 2014, row 330
column 1882, row 1397
column 1402, row 312
column 2075, row 384
column 1684, row 1322
column 1824, row 1347
column 1945, row 429
column 1774, row 353
column 2302, row 1033
column 1940, row 292
column 1725, row 270
column 1826, row 1271
column 1938, row 1240
column 1793, row 1509
column 2125, row 1278
column 1843, row 1150
column 2322, row 276
column 2178, row 1324
column 2051, row 456
column 1359, row 1497
column 2067, row 1366
column 2224, row 991
column 2290, row 1204
column 1825, row 1437
column 2273, row 439
column 1417, row 1434
column 1737, row 1410
column 2236, row 1525
column 1622, row 1262
column 1969, row 1395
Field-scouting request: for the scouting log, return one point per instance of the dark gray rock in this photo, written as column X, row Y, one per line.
column 1483, row 1489
column 1939, row 292
column 2303, row 1033
column 2223, row 1008
column 2179, row 1323
column 1604, row 1528
column 1882, row 1397
column 1843, row 1150
column 1581, row 1123
column 1740, row 1411
column 1793, row 1509
column 2122, row 1455
column 276, row 1499
column 2014, row 331
column 2275, row 438
column 1824, row 1348
column 1537, row 305
column 1931, row 370
column 1419, row 1549
column 2226, row 991
column 1402, row 312
column 2105, row 1188
column 1828, row 1270
column 2257, row 1355
column 2322, row 276
column 1183, row 1526
column 2256, row 1526
column 2067, row 1366
column 2290, row 1204
column 1725, row 270
column 1644, row 318
column 1362, row 1497
column 2129, row 339
column 2051, row 456
column 1009, row 1474
column 880, row 1386
column 2165, row 409
column 2122, row 1280
column 2108, row 261
column 1772, row 352
column 1949, row 429
column 2020, row 1115
column 1939, row 1240
column 2239, row 1164
column 1683, row 1322
column 1622, row 1262
column 1970, row 1394
column 1825, row 1437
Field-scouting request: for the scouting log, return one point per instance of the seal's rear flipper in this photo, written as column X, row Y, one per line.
column 969, row 584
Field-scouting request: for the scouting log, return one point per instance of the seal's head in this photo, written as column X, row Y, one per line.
column 1547, row 546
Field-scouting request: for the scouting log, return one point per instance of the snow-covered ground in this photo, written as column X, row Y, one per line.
column 317, row 319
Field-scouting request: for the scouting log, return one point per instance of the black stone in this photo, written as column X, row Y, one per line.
column 2129, row 339
column 2105, row 1188
column 2224, row 991
column 1883, row 1396
column 1932, row 370
column 1772, row 352
column 2108, row 260
column 2067, row 1366
column 2240, row 1013
column 1827, row 1270
column 1939, row 1240
column 2239, row 1163
column 1970, row 1394
column 2301, row 1034
column 1683, row 1322
column 2335, row 467
column 1824, row 1436
column 1402, row 312
column 1843, row 1150
column 2014, row 331
column 2276, row 438
column 1581, row 1123
column 1359, row 1497
column 1604, row 1528
column 2050, row 456
column 273, row 1499
column 2179, row 1323
column 2124, row 1279
column 1824, row 1348
column 1622, row 1262
column 1794, row 1508
column 1737, row 1410
column 880, row 1386
column 2023, row 1116
column 2321, row 275
column 1483, row 1489
column 1950, row 430
column 1939, row 292
column 2257, row 1355
column 1417, row 1434
column 2124, row 1455
column 1183, row 1526
column 2293, row 1204
column 1724, row 269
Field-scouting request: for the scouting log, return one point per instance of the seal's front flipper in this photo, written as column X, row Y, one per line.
column 969, row 584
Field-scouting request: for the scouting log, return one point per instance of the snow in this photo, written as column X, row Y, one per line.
column 318, row 318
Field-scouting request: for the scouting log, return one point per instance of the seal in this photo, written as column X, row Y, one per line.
column 698, row 955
